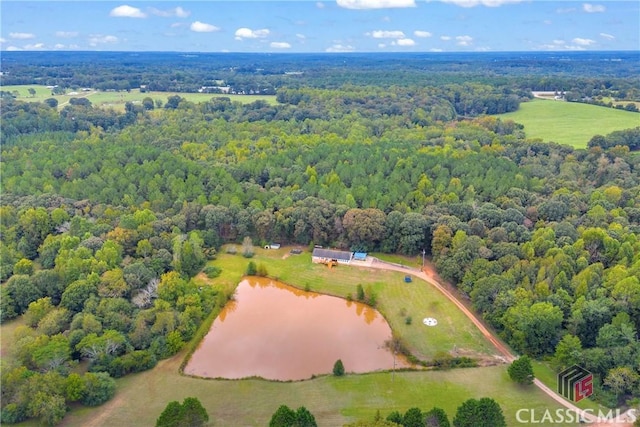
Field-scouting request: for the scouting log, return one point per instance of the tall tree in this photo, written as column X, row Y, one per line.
column 283, row 417
column 484, row 412
column 436, row 417
column 521, row 370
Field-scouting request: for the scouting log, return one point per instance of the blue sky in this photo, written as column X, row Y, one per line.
column 321, row 26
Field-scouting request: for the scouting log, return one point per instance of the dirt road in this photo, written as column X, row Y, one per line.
column 428, row 275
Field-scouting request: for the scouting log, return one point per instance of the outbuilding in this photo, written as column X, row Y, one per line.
column 359, row 256
column 320, row 255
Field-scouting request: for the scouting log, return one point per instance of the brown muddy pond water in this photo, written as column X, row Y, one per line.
column 278, row 332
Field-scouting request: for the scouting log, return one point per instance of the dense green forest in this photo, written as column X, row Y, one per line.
column 592, row 77
column 106, row 216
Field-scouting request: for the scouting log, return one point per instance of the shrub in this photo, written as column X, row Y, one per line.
column 262, row 270
column 99, row 387
column 338, row 368
column 136, row 361
column 211, row 271
column 521, row 370
column 12, row 413
column 251, row 269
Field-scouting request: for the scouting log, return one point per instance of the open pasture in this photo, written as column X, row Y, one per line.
column 396, row 300
column 569, row 123
column 117, row 100
column 140, row 398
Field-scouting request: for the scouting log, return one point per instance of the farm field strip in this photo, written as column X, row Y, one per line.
column 569, row 123
column 116, row 100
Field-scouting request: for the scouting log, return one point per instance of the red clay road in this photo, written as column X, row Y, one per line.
column 428, row 275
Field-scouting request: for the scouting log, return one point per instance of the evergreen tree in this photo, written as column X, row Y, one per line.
column 436, row 417
column 338, row 368
column 413, row 418
column 193, row 413
column 251, row 269
column 170, row 417
column 304, row 418
column 283, row 417
column 395, row 417
column 190, row 413
column 479, row 413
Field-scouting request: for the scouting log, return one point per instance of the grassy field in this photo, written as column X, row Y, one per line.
column 117, row 100
column 140, row 398
column 396, row 299
column 334, row 401
column 570, row 123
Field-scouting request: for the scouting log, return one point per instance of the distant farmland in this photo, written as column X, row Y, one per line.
column 117, row 100
column 570, row 123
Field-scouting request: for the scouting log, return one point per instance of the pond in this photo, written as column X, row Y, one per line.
column 278, row 332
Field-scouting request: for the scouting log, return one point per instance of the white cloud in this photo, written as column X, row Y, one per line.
column 464, row 40
column 66, row 34
column 96, row 39
column 445, row 38
column 11, row 48
column 201, row 27
column 36, row 46
column 607, row 36
column 593, row 8
column 126, row 11
column 405, row 42
column 435, row 50
column 473, row 3
column 381, row 34
column 576, row 44
column 340, row 48
column 22, row 36
column 280, row 45
column 177, row 12
column 58, row 46
column 248, row 33
column 3, row 40
column 566, row 10
column 382, row 45
column 375, row 4
column 423, row 34
column 301, row 36
column 547, row 22
column 320, row 5
column 582, row 42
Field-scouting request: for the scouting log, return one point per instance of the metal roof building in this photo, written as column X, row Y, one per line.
column 321, row 255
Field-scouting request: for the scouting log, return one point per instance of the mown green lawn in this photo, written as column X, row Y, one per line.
column 117, row 100
column 396, row 299
column 333, row 401
column 140, row 398
column 570, row 123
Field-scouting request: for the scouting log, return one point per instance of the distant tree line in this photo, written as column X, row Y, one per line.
column 103, row 226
